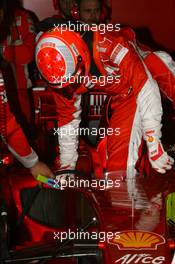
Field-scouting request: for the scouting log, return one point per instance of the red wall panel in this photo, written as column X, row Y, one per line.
column 155, row 15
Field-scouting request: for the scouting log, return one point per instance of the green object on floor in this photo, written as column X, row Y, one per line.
column 170, row 207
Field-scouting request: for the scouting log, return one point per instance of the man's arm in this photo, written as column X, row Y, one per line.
column 18, row 145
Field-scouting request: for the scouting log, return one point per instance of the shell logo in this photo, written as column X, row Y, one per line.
column 138, row 240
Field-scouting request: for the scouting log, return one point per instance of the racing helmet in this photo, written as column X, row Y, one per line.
column 61, row 57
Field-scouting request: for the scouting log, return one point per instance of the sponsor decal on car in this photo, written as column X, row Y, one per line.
column 139, row 241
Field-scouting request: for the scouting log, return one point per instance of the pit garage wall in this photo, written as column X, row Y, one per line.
column 42, row 8
column 156, row 17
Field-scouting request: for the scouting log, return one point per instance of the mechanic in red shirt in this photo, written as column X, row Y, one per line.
column 17, row 45
column 69, row 9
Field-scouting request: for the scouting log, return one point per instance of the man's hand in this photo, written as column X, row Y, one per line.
column 42, row 169
column 158, row 158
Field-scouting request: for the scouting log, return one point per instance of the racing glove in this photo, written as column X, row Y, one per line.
column 158, row 158
column 150, row 109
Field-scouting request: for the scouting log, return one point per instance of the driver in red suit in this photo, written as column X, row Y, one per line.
column 70, row 119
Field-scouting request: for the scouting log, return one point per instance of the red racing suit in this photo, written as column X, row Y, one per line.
column 18, row 49
column 12, row 134
column 136, row 104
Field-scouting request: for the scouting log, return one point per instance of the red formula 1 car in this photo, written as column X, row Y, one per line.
column 90, row 218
